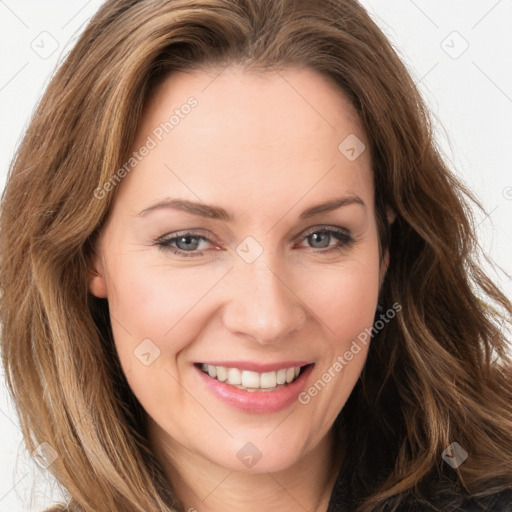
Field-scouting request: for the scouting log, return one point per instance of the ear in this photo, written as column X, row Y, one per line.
column 391, row 215
column 97, row 280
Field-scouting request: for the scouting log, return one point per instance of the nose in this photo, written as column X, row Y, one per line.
column 262, row 303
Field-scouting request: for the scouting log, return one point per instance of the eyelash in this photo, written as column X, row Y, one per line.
column 343, row 236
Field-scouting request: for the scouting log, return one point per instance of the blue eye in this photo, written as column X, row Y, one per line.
column 321, row 236
column 186, row 244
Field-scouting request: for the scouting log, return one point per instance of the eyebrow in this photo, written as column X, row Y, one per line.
column 218, row 213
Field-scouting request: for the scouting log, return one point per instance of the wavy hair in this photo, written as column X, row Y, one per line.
column 439, row 373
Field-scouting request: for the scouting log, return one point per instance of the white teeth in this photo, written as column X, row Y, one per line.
column 281, row 376
column 249, row 380
column 222, row 373
column 234, row 376
column 268, row 380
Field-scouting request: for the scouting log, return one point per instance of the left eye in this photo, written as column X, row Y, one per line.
column 186, row 244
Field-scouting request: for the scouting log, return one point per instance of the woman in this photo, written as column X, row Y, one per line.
column 237, row 274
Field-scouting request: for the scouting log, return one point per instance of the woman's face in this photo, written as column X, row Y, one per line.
column 221, row 250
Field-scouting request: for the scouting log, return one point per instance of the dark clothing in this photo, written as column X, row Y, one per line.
column 371, row 447
column 342, row 500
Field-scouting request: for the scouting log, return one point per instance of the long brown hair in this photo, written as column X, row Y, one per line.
column 440, row 373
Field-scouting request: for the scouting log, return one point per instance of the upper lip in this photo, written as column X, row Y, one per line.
column 257, row 367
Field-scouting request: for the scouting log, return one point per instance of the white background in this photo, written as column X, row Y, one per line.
column 470, row 94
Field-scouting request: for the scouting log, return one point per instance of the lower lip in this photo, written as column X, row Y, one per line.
column 257, row 401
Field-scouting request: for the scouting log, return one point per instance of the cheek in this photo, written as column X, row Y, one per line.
column 344, row 297
column 156, row 302
column 344, row 300
column 155, row 316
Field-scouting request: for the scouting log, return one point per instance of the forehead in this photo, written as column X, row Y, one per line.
column 250, row 134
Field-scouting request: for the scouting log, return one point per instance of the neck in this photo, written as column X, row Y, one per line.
column 204, row 486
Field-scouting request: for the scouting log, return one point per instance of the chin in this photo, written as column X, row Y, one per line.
column 259, row 451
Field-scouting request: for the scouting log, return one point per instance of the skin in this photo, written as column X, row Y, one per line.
column 264, row 146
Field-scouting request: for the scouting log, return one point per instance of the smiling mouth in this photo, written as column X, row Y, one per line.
column 253, row 381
